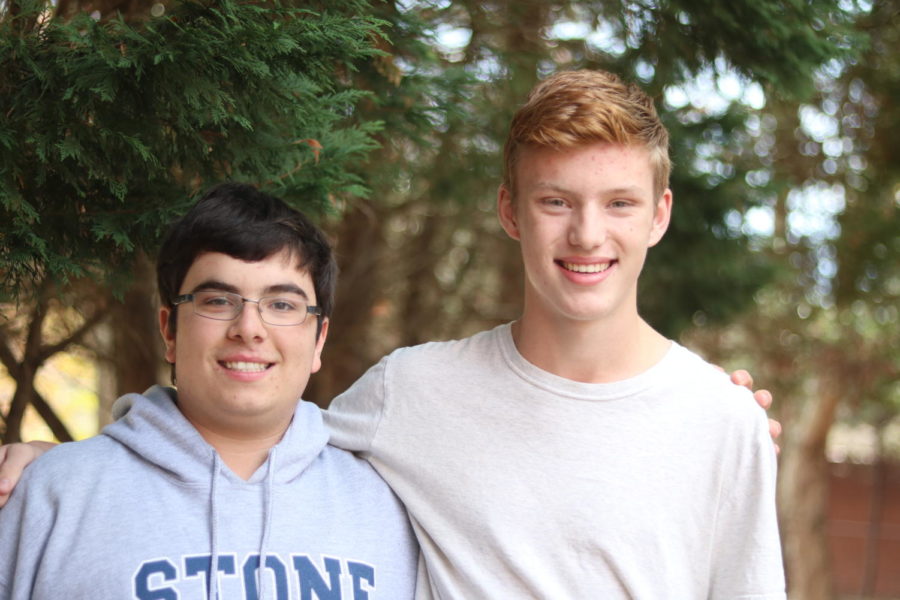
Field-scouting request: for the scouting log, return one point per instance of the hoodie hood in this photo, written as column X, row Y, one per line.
column 151, row 425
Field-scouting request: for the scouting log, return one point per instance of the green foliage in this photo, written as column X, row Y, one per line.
column 778, row 44
column 109, row 128
column 705, row 267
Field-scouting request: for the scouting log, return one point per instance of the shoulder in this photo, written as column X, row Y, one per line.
column 51, row 478
column 416, row 365
column 438, row 355
column 414, row 372
column 709, row 388
column 74, row 458
column 355, row 470
column 701, row 398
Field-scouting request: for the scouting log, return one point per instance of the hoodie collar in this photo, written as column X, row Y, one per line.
column 151, row 425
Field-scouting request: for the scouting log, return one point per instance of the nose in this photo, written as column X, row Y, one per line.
column 248, row 325
column 587, row 228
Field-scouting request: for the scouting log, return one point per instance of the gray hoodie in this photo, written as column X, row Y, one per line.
column 143, row 509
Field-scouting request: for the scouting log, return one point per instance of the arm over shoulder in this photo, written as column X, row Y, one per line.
column 13, row 460
column 353, row 417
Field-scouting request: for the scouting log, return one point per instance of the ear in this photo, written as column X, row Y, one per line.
column 506, row 212
column 167, row 335
column 662, row 213
column 320, row 344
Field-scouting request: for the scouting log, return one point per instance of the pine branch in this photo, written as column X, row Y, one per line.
column 134, row 118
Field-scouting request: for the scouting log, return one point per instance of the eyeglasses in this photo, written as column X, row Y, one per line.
column 287, row 309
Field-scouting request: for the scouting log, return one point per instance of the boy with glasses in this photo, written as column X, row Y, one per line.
column 232, row 469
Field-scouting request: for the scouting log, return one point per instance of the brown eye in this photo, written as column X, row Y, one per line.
column 281, row 305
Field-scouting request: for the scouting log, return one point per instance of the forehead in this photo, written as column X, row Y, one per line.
column 279, row 269
column 598, row 164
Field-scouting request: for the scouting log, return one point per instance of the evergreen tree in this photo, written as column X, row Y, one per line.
column 112, row 125
column 109, row 127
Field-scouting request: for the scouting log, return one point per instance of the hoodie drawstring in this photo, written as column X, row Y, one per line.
column 213, row 583
column 267, row 522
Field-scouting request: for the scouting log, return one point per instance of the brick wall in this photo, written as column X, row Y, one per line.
column 865, row 557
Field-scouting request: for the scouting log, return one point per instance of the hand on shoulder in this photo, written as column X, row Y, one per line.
column 13, row 460
column 763, row 398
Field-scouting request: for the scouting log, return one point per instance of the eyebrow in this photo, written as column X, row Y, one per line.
column 546, row 185
column 627, row 190
column 279, row 288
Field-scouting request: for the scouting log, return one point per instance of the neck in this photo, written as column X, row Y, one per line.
column 244, row 454
column 589, row 351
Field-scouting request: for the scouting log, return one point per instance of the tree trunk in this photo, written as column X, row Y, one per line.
column 131, row 341
column 803, row 494
column 347, row 351
column 417, row 306
column 20, row 401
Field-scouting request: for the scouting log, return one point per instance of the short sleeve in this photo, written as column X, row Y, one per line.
column 747, row 562
column 353, row 417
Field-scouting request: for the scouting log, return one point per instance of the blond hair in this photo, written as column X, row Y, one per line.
column 574, row 108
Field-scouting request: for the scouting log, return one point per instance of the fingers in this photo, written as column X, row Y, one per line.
column 763, row 398
column 5, row 483
column 6, row 487
column 743, row 378
column 13, row 460
column 775, row 431
column 774, row 428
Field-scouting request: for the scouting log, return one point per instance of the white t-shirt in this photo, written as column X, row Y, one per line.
column 523, row 484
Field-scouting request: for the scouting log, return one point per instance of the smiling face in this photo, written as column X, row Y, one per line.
column 584, row 218
column 242, row 377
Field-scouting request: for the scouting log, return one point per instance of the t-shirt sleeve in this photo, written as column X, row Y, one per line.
column 747, row 563
column 353, row 417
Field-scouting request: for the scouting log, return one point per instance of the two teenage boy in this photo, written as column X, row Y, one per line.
column 573, row 453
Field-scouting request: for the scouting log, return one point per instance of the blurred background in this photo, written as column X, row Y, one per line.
column 385, row 120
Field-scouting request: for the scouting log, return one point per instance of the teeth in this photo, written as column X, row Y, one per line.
column 249, row 367
column 580, row 268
